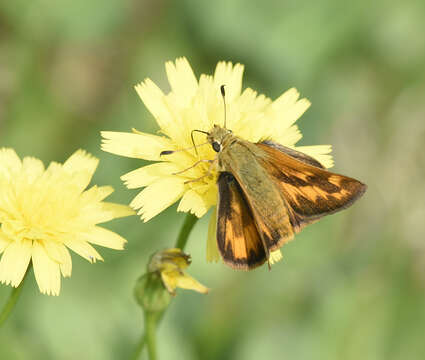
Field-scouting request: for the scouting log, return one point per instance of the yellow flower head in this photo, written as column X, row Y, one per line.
column 170, row 263
column 198, row 104
column 43, row 212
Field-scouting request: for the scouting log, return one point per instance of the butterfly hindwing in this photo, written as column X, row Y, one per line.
column 238, row 240
column 309, row 190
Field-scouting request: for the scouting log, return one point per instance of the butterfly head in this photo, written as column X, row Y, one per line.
column 218, row 136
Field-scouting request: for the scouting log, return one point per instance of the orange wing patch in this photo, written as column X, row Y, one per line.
column 310, row 191
column 237, row 237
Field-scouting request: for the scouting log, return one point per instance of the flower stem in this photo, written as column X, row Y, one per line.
column 187, row 227
column 143, row 339
column 151, row 320
column 13, row 299
column 139, row 348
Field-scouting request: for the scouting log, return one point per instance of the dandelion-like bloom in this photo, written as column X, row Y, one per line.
column 43, row 212
column 193, row 104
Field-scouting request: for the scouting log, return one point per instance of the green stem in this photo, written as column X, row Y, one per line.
column 13, row 299
column 143, row 339
column 139, row 347
column 152, row 320
column 187, row 227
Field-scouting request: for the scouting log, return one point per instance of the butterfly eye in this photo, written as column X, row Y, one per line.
column 216, row 146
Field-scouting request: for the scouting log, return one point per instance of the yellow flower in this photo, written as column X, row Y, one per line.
column 197, row 104
column 43, row 212
column 170, row 264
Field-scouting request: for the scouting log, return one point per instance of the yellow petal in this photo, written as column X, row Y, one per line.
column 9, row 162
column 117, row 210
column 97, row 193
column 140, row 146
column 174, row 279
column 288, row 108
column 146, row 175
column 82, row 166
column 54, row 250
column 14, row 262
column 294, row 113
column 46, row 271
column 158, row 196
column 231, row 77
column 100, row 236
column 4, row 242
column 275, row 256
column 66, row 264
column 319, row 152
column 289, row 137
column 81, row 161
column 185, row 281
column 182, row 81
column 287, row 99
column 169, row 281
column 83, row 249
column 194, row 203
column 60, row 254
column 250, row 123
column 154, row 100
column 212, row 250
column 99, row 212
column 33, row 168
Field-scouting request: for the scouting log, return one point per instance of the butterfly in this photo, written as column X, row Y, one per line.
column 267, row 193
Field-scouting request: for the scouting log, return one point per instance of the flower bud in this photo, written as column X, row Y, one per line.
column 164, row 274
column 150, row 293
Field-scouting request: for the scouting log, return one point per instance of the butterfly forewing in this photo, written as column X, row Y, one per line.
column 310, row 191
column 237, row 237
column 294, row 153
column 267, row 206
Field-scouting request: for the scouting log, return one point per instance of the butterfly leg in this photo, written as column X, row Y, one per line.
column 191, row 167
column 208, row 173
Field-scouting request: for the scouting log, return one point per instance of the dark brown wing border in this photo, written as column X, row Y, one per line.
column 238, row 240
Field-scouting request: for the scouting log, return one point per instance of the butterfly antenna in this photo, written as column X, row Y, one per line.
column 193, row 140
column 169, row 152
column 223, row 94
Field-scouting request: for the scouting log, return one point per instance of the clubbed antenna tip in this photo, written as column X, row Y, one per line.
column 223, row 94
column 166, row 152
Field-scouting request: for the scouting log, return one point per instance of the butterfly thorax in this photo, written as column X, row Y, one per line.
column 230, row 147
column 220, row 138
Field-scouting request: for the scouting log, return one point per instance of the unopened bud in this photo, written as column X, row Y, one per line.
column 151, row 294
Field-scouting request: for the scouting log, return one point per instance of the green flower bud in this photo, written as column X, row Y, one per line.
column 165, row 273
column 151, row 294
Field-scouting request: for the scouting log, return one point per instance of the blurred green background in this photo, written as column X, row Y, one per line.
column 349, row 287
